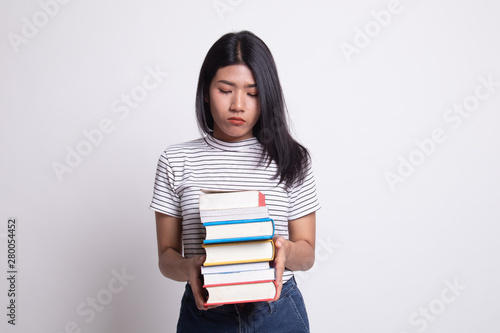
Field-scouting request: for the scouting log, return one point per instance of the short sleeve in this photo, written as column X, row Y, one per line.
column 303, row 199
column 165, row 199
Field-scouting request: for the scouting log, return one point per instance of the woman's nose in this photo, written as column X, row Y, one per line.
column 238, row 102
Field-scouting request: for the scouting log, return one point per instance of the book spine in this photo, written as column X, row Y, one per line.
column 262, row 199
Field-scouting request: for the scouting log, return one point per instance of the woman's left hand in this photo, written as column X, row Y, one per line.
column 280, row 254
column 297, row 252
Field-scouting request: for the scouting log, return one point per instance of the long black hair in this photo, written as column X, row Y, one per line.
column 271, row 129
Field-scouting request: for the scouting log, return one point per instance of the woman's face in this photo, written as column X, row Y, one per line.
column 234, row 103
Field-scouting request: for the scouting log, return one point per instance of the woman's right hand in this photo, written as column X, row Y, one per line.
column 171, row 262
column 194, row 272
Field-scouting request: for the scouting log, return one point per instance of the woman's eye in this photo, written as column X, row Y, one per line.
column 224, row 91
column 253, row 95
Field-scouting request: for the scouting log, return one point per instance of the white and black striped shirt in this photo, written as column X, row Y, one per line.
column 211, row 164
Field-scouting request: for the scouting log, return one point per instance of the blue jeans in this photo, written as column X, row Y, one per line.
column 288, row 314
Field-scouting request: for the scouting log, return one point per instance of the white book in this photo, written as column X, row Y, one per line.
column 229, row 200
column 239, row 277
column 235, row 267
column 248, row 213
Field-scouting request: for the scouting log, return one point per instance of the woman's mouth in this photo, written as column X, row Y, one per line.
column 236, row 120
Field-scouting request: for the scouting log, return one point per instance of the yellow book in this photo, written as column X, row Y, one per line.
column 238, row 252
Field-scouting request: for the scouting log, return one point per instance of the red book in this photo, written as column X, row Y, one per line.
column 262, row 291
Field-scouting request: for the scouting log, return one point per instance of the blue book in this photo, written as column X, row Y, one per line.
column 238, row 230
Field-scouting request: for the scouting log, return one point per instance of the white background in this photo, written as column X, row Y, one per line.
column 384, row 255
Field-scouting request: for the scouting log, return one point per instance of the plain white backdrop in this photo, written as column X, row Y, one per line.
column 398, row 102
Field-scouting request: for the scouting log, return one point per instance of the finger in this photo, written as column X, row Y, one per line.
column 199, row 296
column 197, row 284
column 279, row 264
column 279, row 269
column 278, row 241
column 278, row 291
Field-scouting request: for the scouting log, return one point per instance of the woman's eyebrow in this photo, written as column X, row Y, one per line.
column 229, row 83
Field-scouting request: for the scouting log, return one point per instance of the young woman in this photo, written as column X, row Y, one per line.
column 246, row 146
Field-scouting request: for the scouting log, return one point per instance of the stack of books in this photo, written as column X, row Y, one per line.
column 238, row 247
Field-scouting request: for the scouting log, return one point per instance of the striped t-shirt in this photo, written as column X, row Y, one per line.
column 211, row 164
